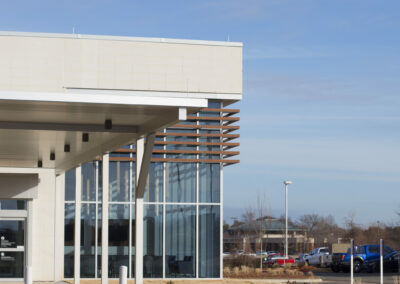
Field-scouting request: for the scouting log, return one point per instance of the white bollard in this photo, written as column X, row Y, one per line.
column 28, row 275
column 382, row 253
column 352, row 261
column 123, row 274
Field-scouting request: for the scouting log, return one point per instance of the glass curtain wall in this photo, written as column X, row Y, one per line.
column 182, row 205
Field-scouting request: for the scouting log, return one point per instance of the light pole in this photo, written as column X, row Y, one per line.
column 286, row 183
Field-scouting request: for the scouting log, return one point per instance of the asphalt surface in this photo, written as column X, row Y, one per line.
column 341, row 277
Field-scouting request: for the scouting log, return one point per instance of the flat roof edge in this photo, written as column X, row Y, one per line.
column 123, row 38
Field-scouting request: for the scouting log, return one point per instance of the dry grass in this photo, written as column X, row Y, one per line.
column 243, row 272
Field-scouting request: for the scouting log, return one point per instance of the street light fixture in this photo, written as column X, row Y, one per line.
column 286, row 183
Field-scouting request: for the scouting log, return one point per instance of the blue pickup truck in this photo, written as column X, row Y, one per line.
column 341, row 261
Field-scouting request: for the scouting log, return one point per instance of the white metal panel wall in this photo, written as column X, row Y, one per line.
column 38, row 63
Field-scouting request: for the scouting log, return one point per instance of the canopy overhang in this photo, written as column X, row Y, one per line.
column 48, row 128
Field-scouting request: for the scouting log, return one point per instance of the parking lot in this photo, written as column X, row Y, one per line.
column 331, row 277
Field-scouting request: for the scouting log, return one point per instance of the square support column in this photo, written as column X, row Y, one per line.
column 143, row 158
column 104, row 220
column 77, row 240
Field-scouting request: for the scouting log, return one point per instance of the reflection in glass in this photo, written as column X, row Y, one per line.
column 99, row 179
column 209, row 241
column 12, row 264
column 133, row 177
column 89, row 181
column 11, row 233
column 154, row 185
column 118, row 242
column 13, row 204
column 133, row 239
column 119, row 181
column 209, row 183
column 99, row 206
column 70, row 185
column 214, row 104
column 69, row 229
column 152, row 241
column 180, row 182
column 88, row 237
column 180, row 241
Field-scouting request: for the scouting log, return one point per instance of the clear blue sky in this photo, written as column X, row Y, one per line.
column 321, row 103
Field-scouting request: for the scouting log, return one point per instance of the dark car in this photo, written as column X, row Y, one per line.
column 362, row 254
column 391, row 263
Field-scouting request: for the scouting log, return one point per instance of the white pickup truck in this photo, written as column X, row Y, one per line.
column 319, row 257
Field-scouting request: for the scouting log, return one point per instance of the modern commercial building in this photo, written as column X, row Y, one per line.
column 129, row 134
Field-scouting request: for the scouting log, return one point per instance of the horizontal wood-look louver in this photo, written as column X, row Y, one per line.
column 206, row 137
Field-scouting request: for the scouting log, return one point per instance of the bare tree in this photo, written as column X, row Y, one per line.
column 254, row 217
column 323, row 229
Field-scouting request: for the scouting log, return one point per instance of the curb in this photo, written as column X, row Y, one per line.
column 266, row 281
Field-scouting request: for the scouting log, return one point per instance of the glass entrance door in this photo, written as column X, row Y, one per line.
column 12, row 247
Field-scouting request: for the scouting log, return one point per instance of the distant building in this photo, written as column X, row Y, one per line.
column 270, row 232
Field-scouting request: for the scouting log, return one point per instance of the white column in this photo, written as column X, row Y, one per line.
column 59, row 228
column 29, row 243
column 104, row 220
column 139, row 215
column 382, row 252
column 77, row 240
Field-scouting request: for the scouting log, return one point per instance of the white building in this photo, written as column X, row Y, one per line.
column 69, row 99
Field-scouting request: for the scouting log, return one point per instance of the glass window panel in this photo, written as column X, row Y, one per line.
column 181, row 147
column 13, row 204
column 209, row 156
column 182, row 138
column 214, row 104
column 12, row 264
column 209, row 140
column 209, row 122
column 119, row 181
column 180, row 130
column 181, row 182
column 69, row 229
column 180, row 241
column 181, row 156
column 99, row 180
column 210, row 113
column 153, row 241
column 89, row 181
column 12, row 233
column 209, row 241
column 70, row 185
column 209, row 182
column 99, row 206
column 133, row 228
column 209, row 148
column 88, row 240
column 118, row 238
column 120, row 154
column 154, row 185
column 133, row 178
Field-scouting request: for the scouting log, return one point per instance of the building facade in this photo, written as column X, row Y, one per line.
column 75, row 201
column 182, row 202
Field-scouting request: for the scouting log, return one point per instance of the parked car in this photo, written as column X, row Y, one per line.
column 301, row 260
column 319, row 256
column 391, row 263
column 369, row 253
column 261, row 252
column 277, row 259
